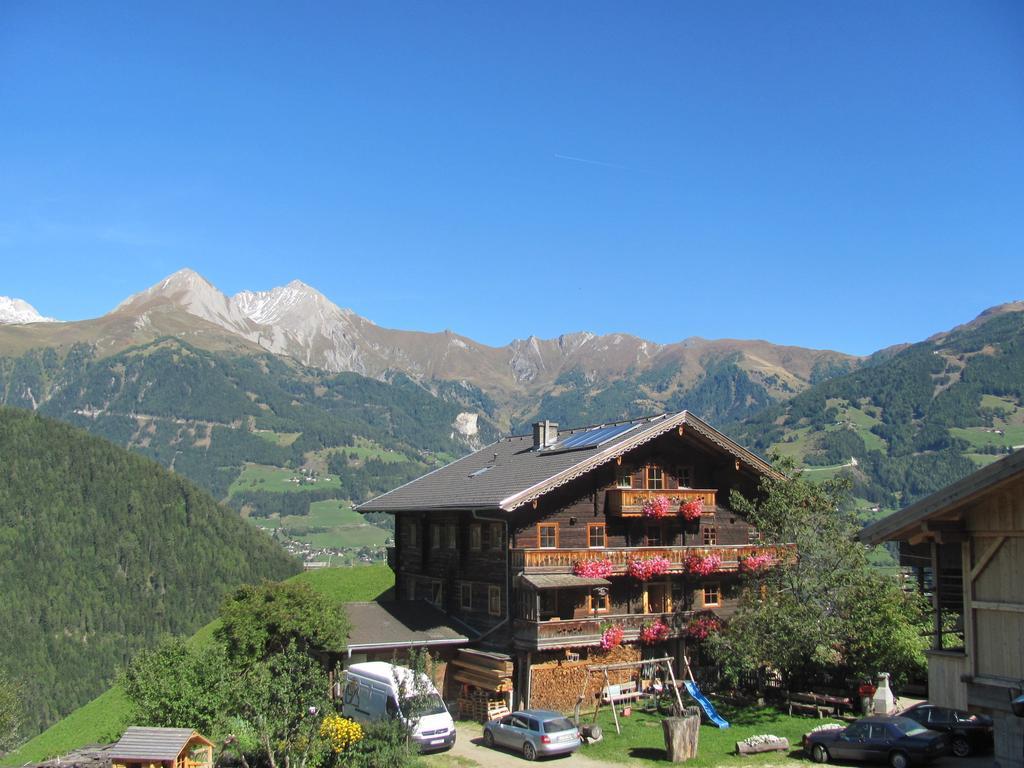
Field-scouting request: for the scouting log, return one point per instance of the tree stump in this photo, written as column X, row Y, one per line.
column 681, row 735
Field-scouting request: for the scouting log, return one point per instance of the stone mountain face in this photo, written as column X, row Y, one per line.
column 18, row 312
column 299, row 322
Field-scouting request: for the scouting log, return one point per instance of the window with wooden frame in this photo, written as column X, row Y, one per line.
column 712, row 595
column 596, row 538
column 653, row 535
column 435, row 536
column 685, row 476
column 497, row 536
column 474, row 537
column 437, row 593
column 466, row 596
column 494, row 600
column 410, row 533
column 485, row 536
column 710, row 536
column 754, row 536
column 547, row 535
column 600, row 602
column 453, row 536
column 624, row 478
column 655, row 478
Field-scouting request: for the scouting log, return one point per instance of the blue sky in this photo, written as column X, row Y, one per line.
column 827, row 174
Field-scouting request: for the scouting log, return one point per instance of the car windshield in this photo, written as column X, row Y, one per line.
column 432, row 705
column 558, row 724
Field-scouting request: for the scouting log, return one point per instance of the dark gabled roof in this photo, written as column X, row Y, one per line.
column 509, row 473
column 157, row 744
column 945, row 502
column 401, row 623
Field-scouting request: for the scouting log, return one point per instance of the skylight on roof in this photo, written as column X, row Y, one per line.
column 592, row 438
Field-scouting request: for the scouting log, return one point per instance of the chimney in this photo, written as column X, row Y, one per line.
column 545, row 434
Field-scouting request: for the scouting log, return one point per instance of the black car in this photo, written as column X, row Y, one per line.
column 898, row 741
column 967, row 733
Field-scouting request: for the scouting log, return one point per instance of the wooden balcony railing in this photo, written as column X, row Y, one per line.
column 629, row 503
column 562, row 560
column 572, row 632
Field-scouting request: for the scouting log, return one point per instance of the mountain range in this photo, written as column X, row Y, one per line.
column 298, row 322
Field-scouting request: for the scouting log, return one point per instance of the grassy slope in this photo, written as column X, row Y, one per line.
column 102, row 719
column 336, row 524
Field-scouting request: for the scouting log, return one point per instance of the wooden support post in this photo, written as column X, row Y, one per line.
column 611, row 700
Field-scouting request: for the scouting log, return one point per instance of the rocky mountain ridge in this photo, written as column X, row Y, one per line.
column 299, row 322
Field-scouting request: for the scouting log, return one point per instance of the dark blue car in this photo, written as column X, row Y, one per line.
column 898, row 741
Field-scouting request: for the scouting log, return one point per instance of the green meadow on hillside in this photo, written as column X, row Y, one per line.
column 103, row 718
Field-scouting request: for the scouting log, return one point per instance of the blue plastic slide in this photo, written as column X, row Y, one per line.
column 707, row 706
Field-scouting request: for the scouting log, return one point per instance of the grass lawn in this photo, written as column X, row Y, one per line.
column 642, row 741
column 331, row 523
column 102, row 719
column 367, row 449
column 977, row 436
column 260, row 477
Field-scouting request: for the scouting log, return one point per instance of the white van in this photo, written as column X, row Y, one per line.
column 370, row 693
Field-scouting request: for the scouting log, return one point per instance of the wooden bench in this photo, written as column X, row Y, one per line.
column 616, row 694
column 809, row 709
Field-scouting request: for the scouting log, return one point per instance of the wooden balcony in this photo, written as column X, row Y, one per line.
column 562, row 560
column 536, row 635
column 627, row 502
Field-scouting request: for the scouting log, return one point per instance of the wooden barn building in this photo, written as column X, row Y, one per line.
column 535, row 546
column 966, row 542
column 161, row 748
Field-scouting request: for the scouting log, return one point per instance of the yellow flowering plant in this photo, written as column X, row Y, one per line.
column 340, row 732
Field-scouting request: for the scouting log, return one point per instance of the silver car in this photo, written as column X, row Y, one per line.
column 534, row 732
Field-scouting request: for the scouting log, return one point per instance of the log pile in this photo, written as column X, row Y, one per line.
column 556, row 684
column 486, row 678
column 486, row 671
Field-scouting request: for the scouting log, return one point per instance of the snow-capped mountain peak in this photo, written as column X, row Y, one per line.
column 17, row 311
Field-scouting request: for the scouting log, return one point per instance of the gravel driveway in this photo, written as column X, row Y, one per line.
column 470, row 746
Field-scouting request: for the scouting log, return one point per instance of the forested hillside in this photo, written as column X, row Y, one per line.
column 910, row 422
column 206, row 414
column 101, row 552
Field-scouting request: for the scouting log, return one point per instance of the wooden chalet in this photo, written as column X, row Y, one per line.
column 499, row 540
column 966, row 545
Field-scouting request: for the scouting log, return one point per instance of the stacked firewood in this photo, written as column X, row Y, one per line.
column 556, row 684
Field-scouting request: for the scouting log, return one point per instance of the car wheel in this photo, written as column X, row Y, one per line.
column 899, row 760
column 819, row 754
column 961, row 747
column 488, row 739
column 529, row 751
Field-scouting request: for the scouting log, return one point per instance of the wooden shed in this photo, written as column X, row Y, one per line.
column 969, row 537
column 162, row 748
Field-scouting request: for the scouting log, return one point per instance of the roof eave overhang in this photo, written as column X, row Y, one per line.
column 360, row 647
column 619, row 449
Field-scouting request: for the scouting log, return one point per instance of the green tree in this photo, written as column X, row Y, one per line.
column 11, row 714
column 825, row 608
column 260, row 621
column 285, row 696
column 177, row 686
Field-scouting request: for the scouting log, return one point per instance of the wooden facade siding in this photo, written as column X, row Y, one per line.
column 562, row 560
column 944, row 685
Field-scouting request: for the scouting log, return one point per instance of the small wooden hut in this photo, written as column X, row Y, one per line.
column 162, row 748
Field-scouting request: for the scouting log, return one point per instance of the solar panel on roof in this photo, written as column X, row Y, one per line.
column 592, row 437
